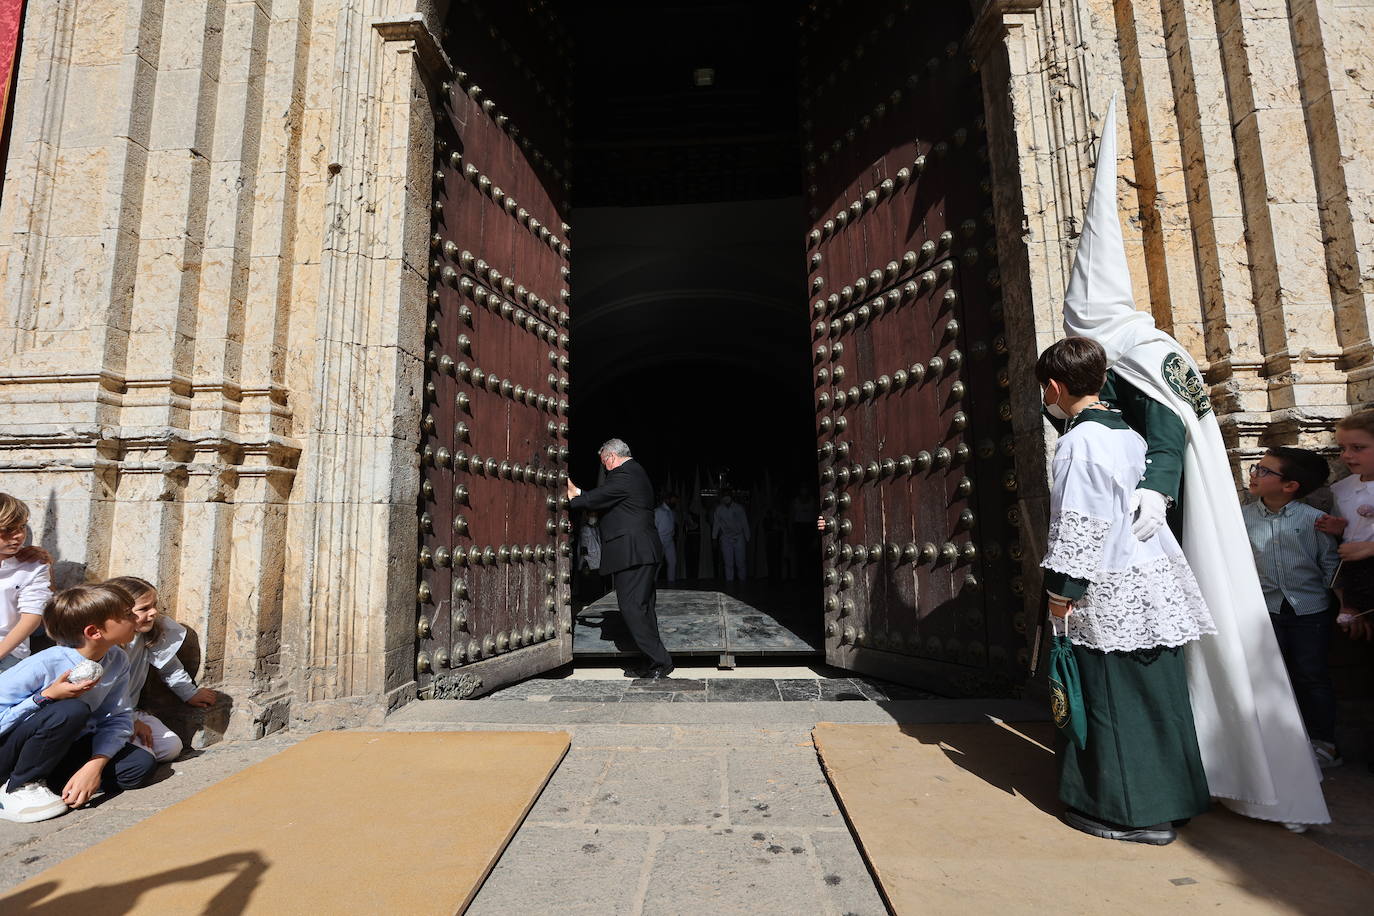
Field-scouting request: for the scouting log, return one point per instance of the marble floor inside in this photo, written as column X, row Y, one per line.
column 709, row 618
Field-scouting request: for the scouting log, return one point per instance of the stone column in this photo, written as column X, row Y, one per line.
column 1230, row 327
column 353, row 537
column 1332, row 41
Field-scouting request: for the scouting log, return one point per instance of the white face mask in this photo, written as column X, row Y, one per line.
column 1056, row 411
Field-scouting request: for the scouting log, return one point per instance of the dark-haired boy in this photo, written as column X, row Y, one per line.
column 54, row 733
column 1295, row 563
column 1129, row 605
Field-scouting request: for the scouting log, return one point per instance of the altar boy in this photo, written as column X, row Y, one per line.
column 1129, row 606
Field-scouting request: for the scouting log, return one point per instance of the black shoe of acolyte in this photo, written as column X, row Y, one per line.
column 1158, row 835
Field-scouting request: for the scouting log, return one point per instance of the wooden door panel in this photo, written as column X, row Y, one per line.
column 495, row 559
column 914, row 461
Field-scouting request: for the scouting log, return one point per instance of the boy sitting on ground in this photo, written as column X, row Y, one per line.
column 57, row 729
column 1296, row 563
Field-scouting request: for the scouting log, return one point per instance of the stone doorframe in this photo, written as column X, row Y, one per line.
column 386, row 139
column 1006, row 44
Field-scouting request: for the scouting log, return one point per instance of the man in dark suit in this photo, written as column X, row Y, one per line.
column 630, row 547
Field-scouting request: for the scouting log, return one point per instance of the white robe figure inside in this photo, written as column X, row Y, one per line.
column 731, row 525
column 1253, row 744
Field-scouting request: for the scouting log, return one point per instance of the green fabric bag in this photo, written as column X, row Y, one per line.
column 1066, row 692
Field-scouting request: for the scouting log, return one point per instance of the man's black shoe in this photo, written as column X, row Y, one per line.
column 1158, row 835
column 656, row 673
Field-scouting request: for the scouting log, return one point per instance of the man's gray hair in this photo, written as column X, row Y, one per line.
column 616, row 447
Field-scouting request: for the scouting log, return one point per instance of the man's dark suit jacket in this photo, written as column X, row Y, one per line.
column 626, row 503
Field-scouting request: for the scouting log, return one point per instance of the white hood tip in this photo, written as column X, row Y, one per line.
column 1099, row 302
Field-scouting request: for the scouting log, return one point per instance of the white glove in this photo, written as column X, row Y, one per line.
column 1148, row 509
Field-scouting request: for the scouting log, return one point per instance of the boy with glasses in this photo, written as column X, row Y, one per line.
column 1296, row 563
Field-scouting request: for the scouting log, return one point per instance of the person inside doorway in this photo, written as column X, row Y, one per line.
column 730, row 527
column 630, row 548
column 665, row 521
column 590, row 583
column 801, row 516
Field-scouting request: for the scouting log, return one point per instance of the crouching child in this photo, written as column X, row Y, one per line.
column 65, row 722
column 154, row 647
column 1129, row 606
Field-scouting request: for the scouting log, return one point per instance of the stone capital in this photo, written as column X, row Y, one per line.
column 989, row 23
column 429, row 53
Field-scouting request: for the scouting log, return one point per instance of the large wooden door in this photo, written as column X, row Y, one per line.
column 909, row 361
column 493, row 594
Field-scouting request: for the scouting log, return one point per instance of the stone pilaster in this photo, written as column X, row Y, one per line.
column 353, row 654
column 1332, row 41
column 1292, row 300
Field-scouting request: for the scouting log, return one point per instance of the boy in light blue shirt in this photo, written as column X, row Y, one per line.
column 54, row 732
column 1296, row 563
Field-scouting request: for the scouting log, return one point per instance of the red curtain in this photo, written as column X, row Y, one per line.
column 11, row 25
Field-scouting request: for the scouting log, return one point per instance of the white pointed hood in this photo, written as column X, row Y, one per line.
column 1099, row 302
column 1253, row 744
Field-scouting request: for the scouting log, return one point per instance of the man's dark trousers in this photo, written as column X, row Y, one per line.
column 637, row 598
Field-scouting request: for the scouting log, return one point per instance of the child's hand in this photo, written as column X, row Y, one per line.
column 203, row 698
column 1356, row 550
column 62, row 689
column 143, row 734
column 1361, row 628
column 84, row 783
column 33, row 552
column 1331, row 524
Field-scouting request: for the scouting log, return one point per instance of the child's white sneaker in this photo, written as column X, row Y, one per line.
column 30, row 803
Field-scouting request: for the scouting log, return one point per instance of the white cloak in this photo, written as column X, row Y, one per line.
column 1254, row 746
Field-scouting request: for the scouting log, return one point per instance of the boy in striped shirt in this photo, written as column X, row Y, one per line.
column 1296, row 563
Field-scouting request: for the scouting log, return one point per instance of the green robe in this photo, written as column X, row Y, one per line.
column 1141, row 766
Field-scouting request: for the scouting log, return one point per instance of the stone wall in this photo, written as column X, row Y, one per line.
column 213, row 256
column 1245, row 194
column 210, row 346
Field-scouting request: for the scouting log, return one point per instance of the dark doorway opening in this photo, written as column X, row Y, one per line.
column 689, row 320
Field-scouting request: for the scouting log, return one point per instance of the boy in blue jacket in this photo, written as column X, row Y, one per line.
column 73, row 735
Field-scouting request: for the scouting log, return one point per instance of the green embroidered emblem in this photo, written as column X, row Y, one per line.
column 1186, row 384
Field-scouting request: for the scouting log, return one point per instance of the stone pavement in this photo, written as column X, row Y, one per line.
column 663, row 805
column 671, row 807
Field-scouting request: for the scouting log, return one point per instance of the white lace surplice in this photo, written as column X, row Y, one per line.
column 1142, row 593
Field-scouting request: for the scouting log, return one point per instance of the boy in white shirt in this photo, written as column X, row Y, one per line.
column 25, row 584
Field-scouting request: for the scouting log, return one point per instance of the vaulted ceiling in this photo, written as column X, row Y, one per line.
column 686, row 101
